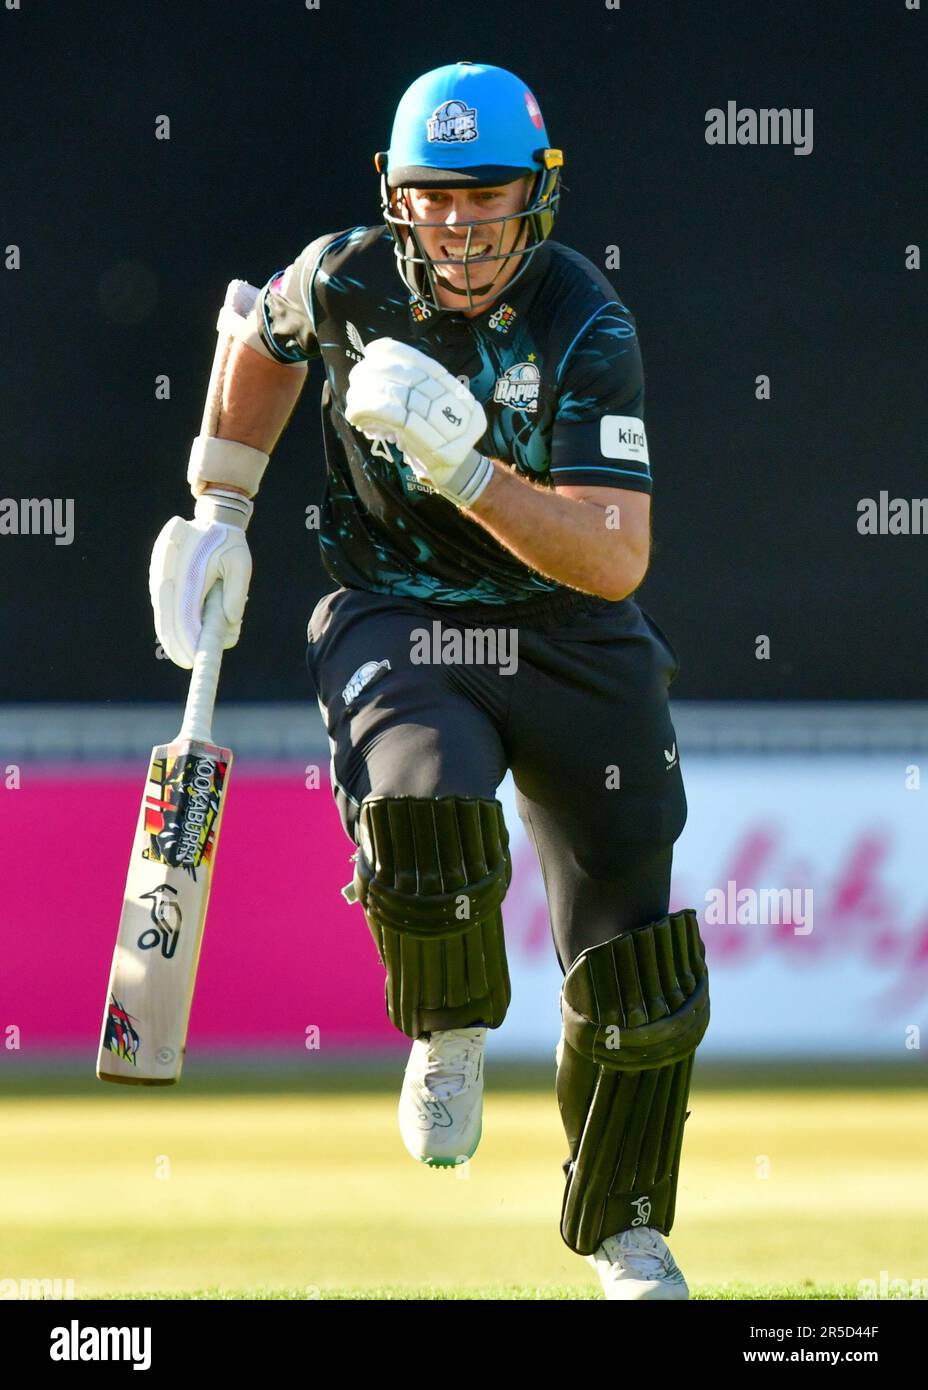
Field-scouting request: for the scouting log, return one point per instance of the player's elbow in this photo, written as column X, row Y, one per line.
column 622, row 575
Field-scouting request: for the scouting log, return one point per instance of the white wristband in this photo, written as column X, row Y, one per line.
column 469, row 480
column 222, row 504
column 214, row 460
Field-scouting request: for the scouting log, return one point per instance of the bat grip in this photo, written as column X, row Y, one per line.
column 204, row 680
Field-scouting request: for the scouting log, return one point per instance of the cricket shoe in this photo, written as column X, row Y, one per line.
column 441, row 1103
column 637, row 1264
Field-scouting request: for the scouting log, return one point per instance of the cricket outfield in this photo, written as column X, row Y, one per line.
column 298, row 1186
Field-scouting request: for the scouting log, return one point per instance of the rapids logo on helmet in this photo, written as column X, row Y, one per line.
column 519, row 387
column 452, row 121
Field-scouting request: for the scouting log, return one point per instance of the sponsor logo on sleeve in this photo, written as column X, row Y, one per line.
column 623, row 437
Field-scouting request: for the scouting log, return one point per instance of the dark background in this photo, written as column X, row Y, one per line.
column 735, row 260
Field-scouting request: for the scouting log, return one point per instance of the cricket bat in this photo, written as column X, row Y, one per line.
column 154, row 969
column 171, row 868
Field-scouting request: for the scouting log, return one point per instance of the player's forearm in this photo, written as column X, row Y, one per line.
column 561, row 537
column 257, row 398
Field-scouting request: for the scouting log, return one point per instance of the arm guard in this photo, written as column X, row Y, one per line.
column 214, row 460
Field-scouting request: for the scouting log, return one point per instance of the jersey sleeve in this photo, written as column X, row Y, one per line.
column 598, row 437
column 284, row 307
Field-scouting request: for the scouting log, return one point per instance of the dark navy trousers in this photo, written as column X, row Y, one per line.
column 581, row 719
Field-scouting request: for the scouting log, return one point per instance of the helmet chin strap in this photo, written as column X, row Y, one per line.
column 476, row 290
column 471, row 289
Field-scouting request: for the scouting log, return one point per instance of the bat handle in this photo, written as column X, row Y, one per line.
column 204, row 680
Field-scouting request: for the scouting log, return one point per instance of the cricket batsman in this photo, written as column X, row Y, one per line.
column 487, row 479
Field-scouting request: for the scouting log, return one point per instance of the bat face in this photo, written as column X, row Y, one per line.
column 164, row 910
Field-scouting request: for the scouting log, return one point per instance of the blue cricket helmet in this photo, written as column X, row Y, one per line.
column 468, row 125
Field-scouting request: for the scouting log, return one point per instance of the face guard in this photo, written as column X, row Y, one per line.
column 418, row 270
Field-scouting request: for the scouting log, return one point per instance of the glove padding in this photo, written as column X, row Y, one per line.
column 400, row 394
column 187, row 559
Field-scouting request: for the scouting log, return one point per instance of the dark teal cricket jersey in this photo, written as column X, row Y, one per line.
column 555, row 363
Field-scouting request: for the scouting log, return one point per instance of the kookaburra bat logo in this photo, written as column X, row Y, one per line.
column 166, row 915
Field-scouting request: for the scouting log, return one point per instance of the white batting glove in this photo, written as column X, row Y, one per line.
column 187, row 559
column 400, row 394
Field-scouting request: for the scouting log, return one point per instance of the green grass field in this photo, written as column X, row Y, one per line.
column 298, row 1187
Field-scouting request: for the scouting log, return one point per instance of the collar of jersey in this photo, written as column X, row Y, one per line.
column 532, row 271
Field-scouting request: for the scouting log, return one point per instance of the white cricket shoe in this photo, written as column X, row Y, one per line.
column 441, row 1103
column 637, row 1264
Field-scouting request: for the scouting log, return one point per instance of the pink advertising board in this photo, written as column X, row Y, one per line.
column 843, row 836
column 283, row 951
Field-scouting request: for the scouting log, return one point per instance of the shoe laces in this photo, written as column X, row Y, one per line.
column 451, row 1059
column 642, row 1251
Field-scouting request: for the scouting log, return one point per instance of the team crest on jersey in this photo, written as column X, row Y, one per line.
column 356, row 351
column 454, row 122
column 519, row 386
column 419, row 311
column 502, row 318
